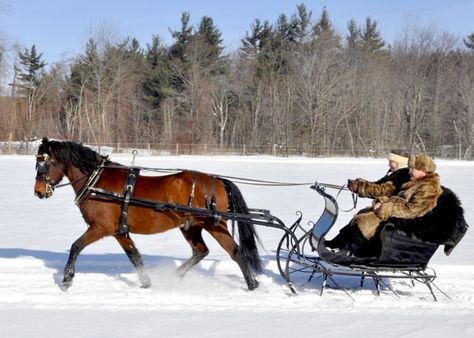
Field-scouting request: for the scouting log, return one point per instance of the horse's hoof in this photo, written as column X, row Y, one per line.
column 65, row 285
column 145, row 285
column 253, row 285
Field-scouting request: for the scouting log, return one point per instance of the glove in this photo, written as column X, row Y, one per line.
column 353, row 185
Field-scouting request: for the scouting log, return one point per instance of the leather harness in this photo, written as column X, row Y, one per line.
column 129, row 187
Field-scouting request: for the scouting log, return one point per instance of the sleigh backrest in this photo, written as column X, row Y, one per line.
column 327, row 218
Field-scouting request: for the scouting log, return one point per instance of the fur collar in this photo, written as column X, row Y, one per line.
column 431, row 178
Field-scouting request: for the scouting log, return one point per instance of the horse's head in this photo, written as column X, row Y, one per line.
column 48, row 171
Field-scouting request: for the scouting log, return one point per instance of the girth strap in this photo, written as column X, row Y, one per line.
column 128, row 189
column 211, row 205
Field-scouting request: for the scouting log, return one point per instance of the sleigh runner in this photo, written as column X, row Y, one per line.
column 116, row 200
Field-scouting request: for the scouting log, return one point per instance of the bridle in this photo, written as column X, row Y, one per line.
column 43, row 163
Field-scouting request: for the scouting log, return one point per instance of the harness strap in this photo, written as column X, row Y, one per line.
column 193, row 186
column 187, row 224
column 206, row 198
column 128, row 189
column 213, row 198
column 211, row 205
column 93, row 178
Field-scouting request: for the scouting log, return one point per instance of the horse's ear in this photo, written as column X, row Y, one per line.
column 44, row 146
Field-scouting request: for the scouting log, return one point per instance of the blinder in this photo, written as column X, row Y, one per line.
column 43, row 163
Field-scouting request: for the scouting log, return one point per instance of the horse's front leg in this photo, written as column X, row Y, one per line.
column 134, row 255
column 90, row 236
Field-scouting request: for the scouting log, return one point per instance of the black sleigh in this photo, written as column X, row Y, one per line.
column 406, row 249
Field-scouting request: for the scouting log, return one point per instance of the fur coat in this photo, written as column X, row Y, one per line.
column 387, row 186
column 414, row 199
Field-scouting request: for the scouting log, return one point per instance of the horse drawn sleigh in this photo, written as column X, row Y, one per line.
column 115, row 200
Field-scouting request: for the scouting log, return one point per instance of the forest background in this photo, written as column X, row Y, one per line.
column 296, row 85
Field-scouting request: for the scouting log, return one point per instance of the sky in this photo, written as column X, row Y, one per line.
column 60, row 28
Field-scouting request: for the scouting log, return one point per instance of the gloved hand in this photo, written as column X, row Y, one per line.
column 353, row 185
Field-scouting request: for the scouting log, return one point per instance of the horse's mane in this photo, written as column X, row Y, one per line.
column 71, row 153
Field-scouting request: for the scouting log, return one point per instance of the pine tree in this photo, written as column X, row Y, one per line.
column 82, row 72
column 182, row 38
column 372, row 42
column 258, row 39
column 130, row 48
column 324, row 24
column 32, row 68
column 211, row 36
column 300, row 23
column 157, row 82
column 324, row 32
column 30, row 76
column 469, row 41
column 353, row 35
column 283, row 32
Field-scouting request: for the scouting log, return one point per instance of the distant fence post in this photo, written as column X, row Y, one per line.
column 244, row 150
column 274, row 149
column 10, row 143
column 177, row 149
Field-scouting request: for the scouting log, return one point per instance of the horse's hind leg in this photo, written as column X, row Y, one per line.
column 194, row 237
column 133, row 254
column 223, row 237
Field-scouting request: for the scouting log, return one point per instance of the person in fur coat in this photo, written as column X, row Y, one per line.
column 415, row 198
column 390, row 184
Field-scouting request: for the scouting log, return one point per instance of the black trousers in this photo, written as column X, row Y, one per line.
column 350, row 238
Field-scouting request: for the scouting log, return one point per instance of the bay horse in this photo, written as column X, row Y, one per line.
column 86, row 168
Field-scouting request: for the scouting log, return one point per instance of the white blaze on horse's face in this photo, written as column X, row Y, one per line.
column 47, row 176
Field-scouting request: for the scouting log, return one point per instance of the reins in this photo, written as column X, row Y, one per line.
column 70, row 183
column 266, row 183
column 241, row 180
column 236, row 179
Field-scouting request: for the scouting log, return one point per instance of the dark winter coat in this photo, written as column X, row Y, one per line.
column 414, row 199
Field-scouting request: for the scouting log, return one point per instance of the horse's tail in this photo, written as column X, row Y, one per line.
column 247, row 235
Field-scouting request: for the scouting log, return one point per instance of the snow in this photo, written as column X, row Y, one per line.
column 105, row 299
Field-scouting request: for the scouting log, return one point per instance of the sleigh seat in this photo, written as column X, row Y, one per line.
column 404, row 244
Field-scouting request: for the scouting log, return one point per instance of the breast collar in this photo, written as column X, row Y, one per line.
column 93, row 178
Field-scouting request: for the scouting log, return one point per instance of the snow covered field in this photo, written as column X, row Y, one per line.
column 212, row 300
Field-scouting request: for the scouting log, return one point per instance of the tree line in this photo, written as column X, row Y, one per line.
column 296, row 83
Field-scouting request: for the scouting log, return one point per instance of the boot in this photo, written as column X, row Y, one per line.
column 341, row 239
column 358, row 244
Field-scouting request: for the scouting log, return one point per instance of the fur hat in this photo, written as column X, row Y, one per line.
column 400, row 157
column 422, row 162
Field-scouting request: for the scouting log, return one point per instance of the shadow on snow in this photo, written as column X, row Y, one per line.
column 115, row 264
